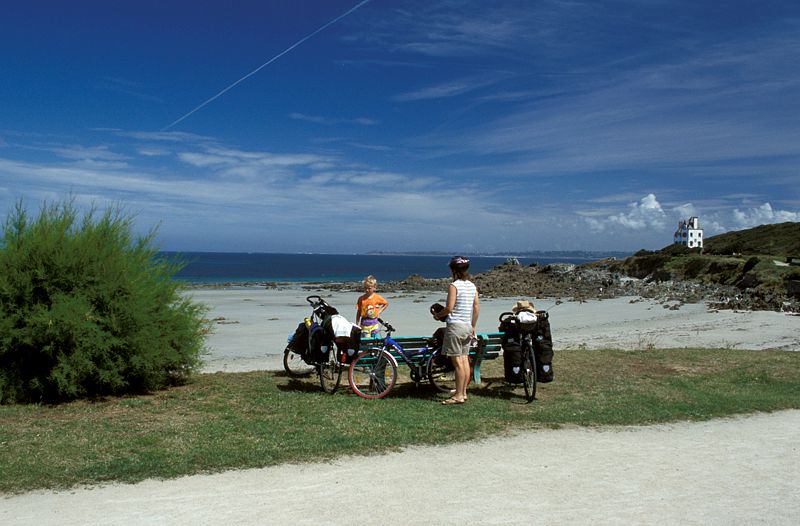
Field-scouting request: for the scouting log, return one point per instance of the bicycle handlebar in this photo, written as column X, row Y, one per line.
column 317, row 300
column 386, row 324
column 504, row 315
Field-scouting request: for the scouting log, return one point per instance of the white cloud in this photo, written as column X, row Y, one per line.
column 686, row 210
column 645, row 214
column 762, row 215
column 715, row 218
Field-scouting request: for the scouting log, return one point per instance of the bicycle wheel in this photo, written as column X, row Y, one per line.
column 372, row 374
column 440, row 372
column 330, row 373
column 294, row 365
column 529, row 373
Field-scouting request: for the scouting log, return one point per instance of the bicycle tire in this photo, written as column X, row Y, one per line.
column 295, row 366
column 529, row 373
column 330, row 373
column 372, row 374
column 440, row 372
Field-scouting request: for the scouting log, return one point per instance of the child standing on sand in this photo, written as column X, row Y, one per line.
column 369, row 308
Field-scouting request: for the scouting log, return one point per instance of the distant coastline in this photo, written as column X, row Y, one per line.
column 588, row 255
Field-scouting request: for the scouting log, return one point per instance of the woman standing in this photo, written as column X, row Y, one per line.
column 461, row 315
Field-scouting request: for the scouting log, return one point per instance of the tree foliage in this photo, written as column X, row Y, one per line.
column 88, row 310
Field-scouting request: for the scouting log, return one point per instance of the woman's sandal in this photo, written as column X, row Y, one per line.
column 453, row 391
column 452, row 401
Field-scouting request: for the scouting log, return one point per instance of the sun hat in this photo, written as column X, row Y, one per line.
column 523, row 305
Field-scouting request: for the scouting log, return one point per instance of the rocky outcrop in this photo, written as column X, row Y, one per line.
column 596, row 281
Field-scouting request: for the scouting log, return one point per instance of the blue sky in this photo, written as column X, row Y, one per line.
column 405, row 125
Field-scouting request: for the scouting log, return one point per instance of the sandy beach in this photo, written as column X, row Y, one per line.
column 253, row 324
column 731, row 471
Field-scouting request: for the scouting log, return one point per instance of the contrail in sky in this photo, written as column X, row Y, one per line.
column 270, row 61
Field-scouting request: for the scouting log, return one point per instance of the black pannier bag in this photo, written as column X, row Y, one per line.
column 319, row 343
column 512, row 352
column 298, row 343
column 543, row 350
column 512, row 362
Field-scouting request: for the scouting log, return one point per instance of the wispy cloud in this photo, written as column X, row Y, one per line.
column 457, row 29
column 364, row 121
column 447, row 89
column 127, row 87
column 163, row 136
column 88, row 153
column 290, row 193
column 675, row 114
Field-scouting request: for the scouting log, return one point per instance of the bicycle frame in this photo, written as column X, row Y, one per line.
column 373, row 373
column 417, row 366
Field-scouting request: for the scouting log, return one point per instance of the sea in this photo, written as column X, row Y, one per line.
column 229, row 267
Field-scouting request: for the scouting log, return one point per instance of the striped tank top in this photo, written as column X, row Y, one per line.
column 465, row 295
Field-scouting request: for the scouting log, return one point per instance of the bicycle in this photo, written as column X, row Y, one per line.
column 441, row 372
column 300, row 358
column 529, row 375
column 373, row 373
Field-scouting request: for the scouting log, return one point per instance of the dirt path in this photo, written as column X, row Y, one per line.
column 732, row 471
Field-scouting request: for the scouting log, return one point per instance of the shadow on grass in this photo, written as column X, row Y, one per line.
column 492, row 387
column 303, row 385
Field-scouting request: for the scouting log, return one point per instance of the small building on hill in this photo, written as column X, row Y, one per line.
column 689, row 233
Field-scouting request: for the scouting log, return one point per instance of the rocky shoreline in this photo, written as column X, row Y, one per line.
column 594, row 282
column 561, row 281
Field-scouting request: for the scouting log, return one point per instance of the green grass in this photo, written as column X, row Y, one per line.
column 247, row 420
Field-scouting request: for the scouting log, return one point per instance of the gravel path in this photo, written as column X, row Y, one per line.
column 731, row 471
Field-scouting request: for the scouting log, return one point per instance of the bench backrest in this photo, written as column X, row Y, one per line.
column 414, row 344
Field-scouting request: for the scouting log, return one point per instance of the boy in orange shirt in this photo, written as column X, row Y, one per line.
column 369, row 308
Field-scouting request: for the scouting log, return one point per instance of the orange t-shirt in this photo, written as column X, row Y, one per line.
column 369, row 308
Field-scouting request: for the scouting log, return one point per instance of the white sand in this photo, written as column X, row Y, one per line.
column 731, row 471
column 258, row 322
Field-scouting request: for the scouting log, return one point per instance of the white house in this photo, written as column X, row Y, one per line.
column 689, row 233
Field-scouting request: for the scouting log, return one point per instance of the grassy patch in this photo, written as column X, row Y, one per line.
column 247, row 420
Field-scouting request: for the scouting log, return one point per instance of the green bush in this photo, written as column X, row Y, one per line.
column 86, row 310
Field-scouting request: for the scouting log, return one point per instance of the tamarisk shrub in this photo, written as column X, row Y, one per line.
column 87, row 310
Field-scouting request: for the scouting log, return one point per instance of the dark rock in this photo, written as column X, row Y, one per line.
column 748, row 281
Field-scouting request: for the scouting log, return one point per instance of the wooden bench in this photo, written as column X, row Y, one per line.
column 489, row 348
